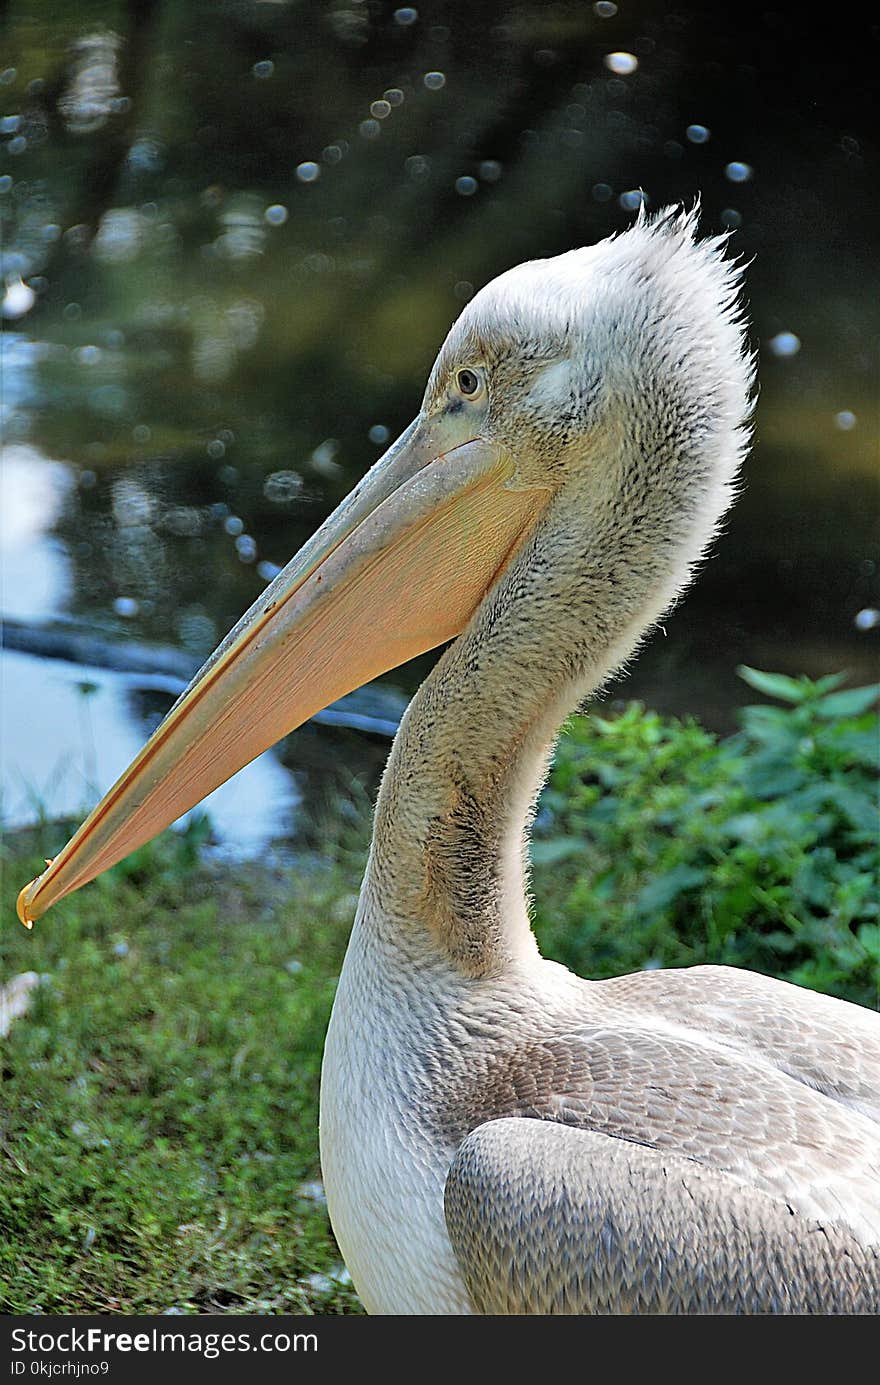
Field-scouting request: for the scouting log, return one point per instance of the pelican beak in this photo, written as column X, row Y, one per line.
column 397, row 569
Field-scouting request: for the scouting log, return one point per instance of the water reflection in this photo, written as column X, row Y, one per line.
column 68, row 729
column 92, row 94
column 34, row 569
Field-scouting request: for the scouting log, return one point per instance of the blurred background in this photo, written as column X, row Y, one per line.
column 234, row 233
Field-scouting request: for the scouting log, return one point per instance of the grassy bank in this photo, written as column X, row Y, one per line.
column 158, row 1130
column 158, row 1136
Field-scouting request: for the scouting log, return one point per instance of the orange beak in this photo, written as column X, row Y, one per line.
column 397, row 569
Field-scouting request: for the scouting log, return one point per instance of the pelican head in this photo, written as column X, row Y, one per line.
column 551, row 355
column 600, row 392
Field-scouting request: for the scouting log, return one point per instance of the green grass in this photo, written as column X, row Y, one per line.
column 158, row 1129
column 158, row 1135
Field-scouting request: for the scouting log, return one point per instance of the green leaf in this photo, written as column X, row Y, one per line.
column 829, row 682
column 660, row 892
column 858, row 807
column 776, row 684
column 863, row 747
column 869, row 937
column 772, row 725
column 850, row 703
column 770, row 777
column 548, row 853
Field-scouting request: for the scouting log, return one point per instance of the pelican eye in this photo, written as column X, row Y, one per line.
column 468, row 382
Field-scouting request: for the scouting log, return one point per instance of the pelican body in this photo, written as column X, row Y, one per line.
column 498, row 1135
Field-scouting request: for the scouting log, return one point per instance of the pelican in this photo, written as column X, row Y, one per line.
column 498, row 1135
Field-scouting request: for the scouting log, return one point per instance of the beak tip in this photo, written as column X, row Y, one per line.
column 22, row 905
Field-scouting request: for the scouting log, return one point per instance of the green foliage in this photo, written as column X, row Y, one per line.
column 659, row 845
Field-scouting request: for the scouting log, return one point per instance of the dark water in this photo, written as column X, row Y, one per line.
column 243, row 230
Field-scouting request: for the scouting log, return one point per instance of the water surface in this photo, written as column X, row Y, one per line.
column 245, row 228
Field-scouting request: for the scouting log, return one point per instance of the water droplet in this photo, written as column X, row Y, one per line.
column 417, row 166
column 267, row 570
column 146, row 156
column 8, row 76
column 141, row 433
column 282, row 486
column 867, row 619
column 246, row 548
column 632, row 200
column 490, row 170
column 332, row 154
column 126, row 606
column 323, row 459
column 183, row 520
column 605, row 9
column 785, row 344
column 406, row 16
column 379, row 434
column 216, row 448
column 308, row 172
column 602, row 192
column 276, row 215
column 731, row 218
column 18, row 300
column 845, row 420
column 380, row 109
column 434, row 81
column 233, row 525
column 698, row 134
column 624, row 64
column 464, row 290
column 263, row 69
column 87, row 479
column 738, row 172
column 9, row 124
column 17, row 145
column 5, row 183
column 369, row 129
column 73, row 312
column 88, row 355
column 394, row 96
column 466, row 186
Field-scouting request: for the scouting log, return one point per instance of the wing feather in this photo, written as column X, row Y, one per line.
column 546, row 1218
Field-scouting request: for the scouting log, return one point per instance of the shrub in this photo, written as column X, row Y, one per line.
column 658, row 844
